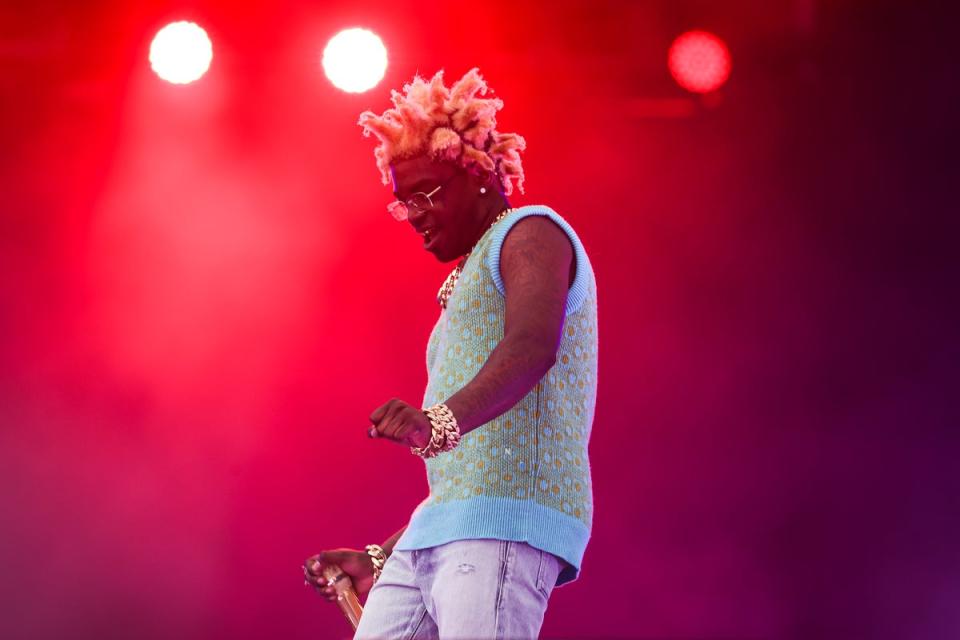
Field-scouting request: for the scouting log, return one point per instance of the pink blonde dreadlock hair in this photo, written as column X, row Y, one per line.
column 448, row 124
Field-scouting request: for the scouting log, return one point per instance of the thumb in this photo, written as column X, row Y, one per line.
column 323, row 559
column 331, row 557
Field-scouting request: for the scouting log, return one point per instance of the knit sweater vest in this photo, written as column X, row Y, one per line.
column 525, row 475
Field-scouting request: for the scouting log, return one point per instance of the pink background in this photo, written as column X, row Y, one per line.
column 203, row 298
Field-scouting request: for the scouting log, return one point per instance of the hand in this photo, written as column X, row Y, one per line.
column 356, row 564
column 402, row 423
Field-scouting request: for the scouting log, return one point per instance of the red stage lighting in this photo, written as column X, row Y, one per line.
column 181, row 52
column 699, row 61
column 355, row 60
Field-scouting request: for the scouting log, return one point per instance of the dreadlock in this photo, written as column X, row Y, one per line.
column 454, row 124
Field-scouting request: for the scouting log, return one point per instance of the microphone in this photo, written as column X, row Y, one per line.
column 347, row 598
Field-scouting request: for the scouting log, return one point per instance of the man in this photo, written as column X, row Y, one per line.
column 512, row 374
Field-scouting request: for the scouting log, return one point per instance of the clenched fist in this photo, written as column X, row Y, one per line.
column 355, row 563
column 404, row 424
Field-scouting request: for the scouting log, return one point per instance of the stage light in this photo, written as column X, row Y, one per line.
column 181, row 52
column 699, row 61
column 355, row 60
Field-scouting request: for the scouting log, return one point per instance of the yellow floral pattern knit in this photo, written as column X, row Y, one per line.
column 524, row 475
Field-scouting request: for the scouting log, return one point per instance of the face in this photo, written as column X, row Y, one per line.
column 449, row 227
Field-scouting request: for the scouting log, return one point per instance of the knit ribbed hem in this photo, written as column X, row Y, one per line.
column 578, row 290
column 500, row 519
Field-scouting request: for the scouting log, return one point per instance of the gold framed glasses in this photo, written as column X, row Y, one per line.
column 418, row 203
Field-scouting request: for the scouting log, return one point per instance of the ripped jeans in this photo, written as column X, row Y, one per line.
column 476, row 589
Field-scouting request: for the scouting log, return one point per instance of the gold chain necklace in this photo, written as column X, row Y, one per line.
column 446, row 289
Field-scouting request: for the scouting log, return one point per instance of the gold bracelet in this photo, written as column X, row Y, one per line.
column 445, row 433
column 379, row 559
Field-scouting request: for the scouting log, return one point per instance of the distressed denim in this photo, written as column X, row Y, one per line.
column 466, row 589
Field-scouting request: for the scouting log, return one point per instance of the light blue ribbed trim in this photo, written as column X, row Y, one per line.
column 578, row 290
column 499, row 519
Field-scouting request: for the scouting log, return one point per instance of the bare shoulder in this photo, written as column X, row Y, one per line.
column 536, row 244
column 537, row 230
column 538, row 238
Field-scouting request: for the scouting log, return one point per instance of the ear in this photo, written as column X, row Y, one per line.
column 488, row 179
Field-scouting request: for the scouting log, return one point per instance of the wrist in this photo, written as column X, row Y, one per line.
column 444, row 434
column 377, row 559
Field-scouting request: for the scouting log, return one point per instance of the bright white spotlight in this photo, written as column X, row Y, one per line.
column 355, row 60
column 181, row 52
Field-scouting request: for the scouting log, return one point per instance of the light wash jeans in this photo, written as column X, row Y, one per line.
column 466, row 589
